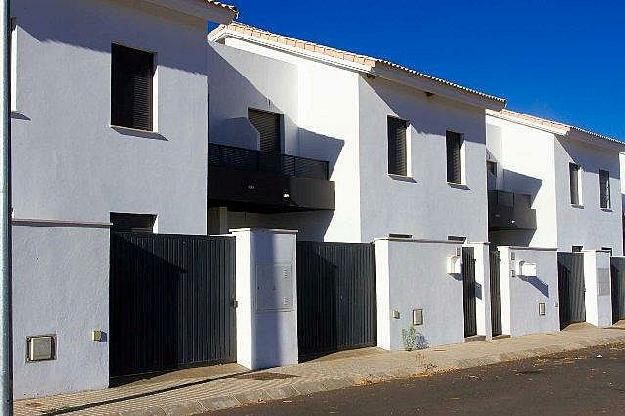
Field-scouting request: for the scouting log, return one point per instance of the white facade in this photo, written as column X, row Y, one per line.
column 533, row 157
column 71, row 168
column 338, row 113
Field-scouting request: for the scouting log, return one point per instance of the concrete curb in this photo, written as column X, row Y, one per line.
column 203, row 405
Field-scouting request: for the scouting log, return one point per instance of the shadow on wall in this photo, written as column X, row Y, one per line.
column 538, row 283
column 232, row 92
column 95, row 25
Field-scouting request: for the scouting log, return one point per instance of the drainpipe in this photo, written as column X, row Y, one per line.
column 6, row 335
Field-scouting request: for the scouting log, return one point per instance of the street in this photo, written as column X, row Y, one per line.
column 585, row 382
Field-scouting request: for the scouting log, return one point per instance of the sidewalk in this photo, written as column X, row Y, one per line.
column 195, row 391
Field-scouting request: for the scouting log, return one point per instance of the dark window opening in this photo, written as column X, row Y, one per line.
column 574, row 183
column 604, row 189
column 397, row 152
column 577, row 249
column 269, row 126
column 454, row 157
column 124, row 222
column 456, row 238
column 491, row 167
column 393, row 235
column 608, row 249
column 132, row 88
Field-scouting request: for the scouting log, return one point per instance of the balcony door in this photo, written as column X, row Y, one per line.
column 269, row 128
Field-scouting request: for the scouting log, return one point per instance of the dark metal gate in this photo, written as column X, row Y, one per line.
column 468, row 292
column 571, row 288
column 336, row 305
column 171, row 302
column 495, row 293
column 617, row 272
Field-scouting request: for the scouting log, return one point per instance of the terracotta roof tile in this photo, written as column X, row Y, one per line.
column 366, row 61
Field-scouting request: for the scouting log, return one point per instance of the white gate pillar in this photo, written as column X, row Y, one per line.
column 598, row 297
column 266, row 297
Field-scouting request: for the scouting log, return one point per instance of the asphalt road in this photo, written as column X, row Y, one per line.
column 587, row 382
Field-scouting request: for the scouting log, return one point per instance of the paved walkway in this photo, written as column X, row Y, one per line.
column 195, row 391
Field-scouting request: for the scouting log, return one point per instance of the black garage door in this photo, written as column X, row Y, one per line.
column 171, row 302
column 571, row 288
column 336, row 306
column 617, row 271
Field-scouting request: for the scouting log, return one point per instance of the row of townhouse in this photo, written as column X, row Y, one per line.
column 270, row 199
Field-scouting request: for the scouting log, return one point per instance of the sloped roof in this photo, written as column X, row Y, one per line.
column 367, row 62
column 228, row 7
column 553, row 126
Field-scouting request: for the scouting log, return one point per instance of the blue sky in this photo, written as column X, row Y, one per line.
column 563, row 60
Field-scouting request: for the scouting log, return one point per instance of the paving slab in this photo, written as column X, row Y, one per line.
column 195, row 391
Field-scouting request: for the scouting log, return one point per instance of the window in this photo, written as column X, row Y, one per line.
column 604, row 189
column 458, row 238
column 574, row 183
column 577, row 249
column 491, row 167
column 13, row 63
column 269, row 126
column 132, row 94
column 397, row 153
column 454, row 157
column 125, row 222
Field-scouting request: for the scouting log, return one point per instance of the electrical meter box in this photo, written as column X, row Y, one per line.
column 454, row 265
column 526, row 269
column 274, row 287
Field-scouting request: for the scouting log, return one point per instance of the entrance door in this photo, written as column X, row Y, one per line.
column 571, row 288
column 617, row 271
column 468, row 292
column 495, row 293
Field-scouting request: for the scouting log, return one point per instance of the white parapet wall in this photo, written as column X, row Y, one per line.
column 267, row 298
column 529, row 280
column 413, row 275
column 60, row 288
column 597, row 282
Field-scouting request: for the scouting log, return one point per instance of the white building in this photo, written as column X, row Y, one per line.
column 341, row 107
column 572, row 177
column 80, row 153
column 126, row 119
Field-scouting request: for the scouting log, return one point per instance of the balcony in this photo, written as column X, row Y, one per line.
column 249, row 180
column 510, row 211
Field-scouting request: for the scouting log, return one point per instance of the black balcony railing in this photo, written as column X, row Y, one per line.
column 274, row 163
column 510, row 211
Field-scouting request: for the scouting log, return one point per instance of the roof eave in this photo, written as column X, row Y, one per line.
column 207, row 10
column 433, row 87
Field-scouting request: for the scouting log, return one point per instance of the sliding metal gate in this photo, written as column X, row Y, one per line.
column 468, row 292
column 617, row 271
column 495, row 293
column 571, row 288
column 171, row 302
column 336, row 305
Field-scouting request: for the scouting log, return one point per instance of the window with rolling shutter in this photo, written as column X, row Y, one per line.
column 132, row 88
column 604, row 189
column 268, row 126
column 397, row 154
column 454, row 157
column 574, row 183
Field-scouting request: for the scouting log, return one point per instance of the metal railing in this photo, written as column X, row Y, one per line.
column 275, row 163
column 510, row 199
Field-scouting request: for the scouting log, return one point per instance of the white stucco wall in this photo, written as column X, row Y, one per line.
column 327, row 119
column 425, row 206
column 412, row 274
column 588, row 226
column 525, row 158
column 266, row 338
column 597, row 296
column 60, row 286
column 68, row 163
column 521, row 295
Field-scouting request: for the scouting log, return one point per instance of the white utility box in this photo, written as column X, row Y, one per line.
column 454, row 265
column 526, row 269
